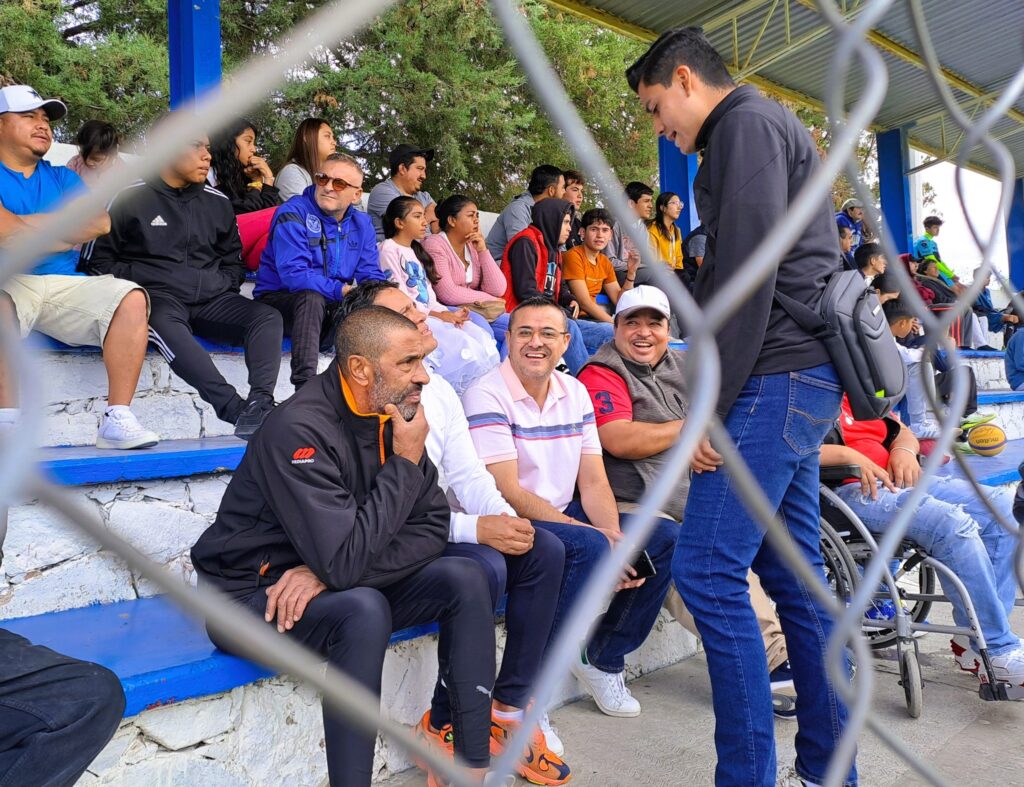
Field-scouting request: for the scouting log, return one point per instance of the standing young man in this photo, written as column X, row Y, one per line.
column 778, row 397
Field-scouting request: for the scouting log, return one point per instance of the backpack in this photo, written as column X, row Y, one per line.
column 851, row 324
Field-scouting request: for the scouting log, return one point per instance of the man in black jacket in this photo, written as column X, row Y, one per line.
column 177, row 237
column 779, row 395
column 334, row 525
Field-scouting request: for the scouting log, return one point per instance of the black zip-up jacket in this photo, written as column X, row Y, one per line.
column 320, row 486
column 178, row 242
column 757, row 158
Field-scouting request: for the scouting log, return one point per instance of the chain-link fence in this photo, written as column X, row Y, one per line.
column 340, row 19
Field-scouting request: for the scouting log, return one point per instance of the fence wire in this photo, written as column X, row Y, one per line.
column 340, row 19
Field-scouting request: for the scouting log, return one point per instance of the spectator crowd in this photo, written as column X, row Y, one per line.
column 497, row 405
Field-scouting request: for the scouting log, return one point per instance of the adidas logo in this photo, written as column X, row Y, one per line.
column 158, row 222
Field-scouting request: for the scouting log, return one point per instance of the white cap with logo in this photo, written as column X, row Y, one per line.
column 643, row 296
column 23, row 98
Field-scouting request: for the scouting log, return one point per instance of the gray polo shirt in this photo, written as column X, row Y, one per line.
column 516, row 217
column 380, row 198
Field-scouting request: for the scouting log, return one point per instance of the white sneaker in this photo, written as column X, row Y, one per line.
column 967, row 659
column 1009, row 667
column 554, row 743
column 120, row 429
column 608, row 690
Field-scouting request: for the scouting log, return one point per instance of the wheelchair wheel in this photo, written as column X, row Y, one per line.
column 910, row 679
column 840, row 568
column 912, row 577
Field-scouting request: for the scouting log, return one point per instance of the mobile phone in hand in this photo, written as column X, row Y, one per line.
column 644, row 566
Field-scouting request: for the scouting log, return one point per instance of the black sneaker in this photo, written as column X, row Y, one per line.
column 783, row 696
column 252, row 417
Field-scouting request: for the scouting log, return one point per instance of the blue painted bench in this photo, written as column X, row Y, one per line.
column 160, row 654
column 992, row 470
column 1000, row 397
column 74, row 465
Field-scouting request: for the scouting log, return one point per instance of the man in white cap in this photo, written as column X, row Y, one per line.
column 851, row 216
column 53, row 298
column 638, row 390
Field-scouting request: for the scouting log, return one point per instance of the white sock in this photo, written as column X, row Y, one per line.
column 10, row 415
column 117, row 408
column 508, row 715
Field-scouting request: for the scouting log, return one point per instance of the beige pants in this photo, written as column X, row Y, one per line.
column 771, row 631
column 76, row 310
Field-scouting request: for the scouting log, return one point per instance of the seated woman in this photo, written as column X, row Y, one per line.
column 467, row 274
column 312, row 144
column 465, row 350
column 98, row 146
column 246, row 180
column 666, row 239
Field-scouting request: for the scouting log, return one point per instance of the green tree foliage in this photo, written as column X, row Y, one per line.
column 435, row 72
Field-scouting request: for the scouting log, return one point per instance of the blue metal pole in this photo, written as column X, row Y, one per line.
column 193, row 42
column 894, row 187
column 1015, row 235
column 676, row 172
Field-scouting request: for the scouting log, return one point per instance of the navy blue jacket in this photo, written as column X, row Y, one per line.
column 310, row 250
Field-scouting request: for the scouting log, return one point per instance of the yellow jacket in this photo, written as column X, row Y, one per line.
column 668, row 251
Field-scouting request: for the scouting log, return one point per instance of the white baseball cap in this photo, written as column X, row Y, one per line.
column 643, row 296
column 23, row 98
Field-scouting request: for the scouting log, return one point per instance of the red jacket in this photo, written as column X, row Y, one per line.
column 516, row 278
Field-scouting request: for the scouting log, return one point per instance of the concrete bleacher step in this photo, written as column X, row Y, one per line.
column 999, row 470
column 988, row 368
column 1008, row 407
column 75, row 388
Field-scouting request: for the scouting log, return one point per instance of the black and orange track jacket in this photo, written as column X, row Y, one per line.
column 320, row 486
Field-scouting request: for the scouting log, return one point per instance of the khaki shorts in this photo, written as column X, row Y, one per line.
column 75, row 310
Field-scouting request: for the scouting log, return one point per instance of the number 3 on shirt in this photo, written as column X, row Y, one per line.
column 605, row 400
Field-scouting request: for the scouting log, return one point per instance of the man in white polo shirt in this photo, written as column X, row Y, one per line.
column 534, row 428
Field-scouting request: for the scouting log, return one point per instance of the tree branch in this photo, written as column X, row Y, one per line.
column 75, row 30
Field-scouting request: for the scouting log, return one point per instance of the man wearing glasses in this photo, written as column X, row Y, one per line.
column 535, row 430
column 320, row 246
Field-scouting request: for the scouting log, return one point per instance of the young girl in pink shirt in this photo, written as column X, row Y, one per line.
column 465, row 349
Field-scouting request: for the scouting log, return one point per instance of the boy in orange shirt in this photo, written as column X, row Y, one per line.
column 588, row 271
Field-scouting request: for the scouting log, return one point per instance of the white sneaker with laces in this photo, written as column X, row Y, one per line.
column 121, row 430
column 554, row 743
column 608, row 690
column 967, row 659
column 1009, row 667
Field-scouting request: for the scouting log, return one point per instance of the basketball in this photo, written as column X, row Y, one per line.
column 987, row 439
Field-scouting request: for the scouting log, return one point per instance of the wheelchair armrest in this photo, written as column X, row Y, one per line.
column 835, row 474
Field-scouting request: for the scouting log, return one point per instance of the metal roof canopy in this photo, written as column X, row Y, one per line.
column 784, row 46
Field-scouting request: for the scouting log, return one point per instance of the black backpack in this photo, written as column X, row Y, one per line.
column 853, row 327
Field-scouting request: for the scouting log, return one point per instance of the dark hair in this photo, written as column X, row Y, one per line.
column 231, row 177
column 595, row 215
column 659, row 213
column 682, row 46
column 449, row 208
column 363, row 295
column 397, row 209
column 635, row 190
column 843, row 229
column 573, row 176
column 367, row 333
column 886, row 282
column 897, row 309
column 537, row 302
column 96, row 136
column 865, row 252
column 542, row 178
column 305, row 149
column 922, row 266
column 405, row 158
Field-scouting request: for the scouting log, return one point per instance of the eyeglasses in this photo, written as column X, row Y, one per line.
column 336, row 183
column 547, row 335
column 675, row 203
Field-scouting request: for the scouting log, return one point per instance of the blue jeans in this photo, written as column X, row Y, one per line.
column 585, row 337
column 777, row 423
column 632, row 613
column 955, row 528
column 532, row 581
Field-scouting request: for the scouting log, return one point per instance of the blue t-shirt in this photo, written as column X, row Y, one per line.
column 43, row 192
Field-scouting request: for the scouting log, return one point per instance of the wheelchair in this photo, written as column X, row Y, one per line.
column 906, row 597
